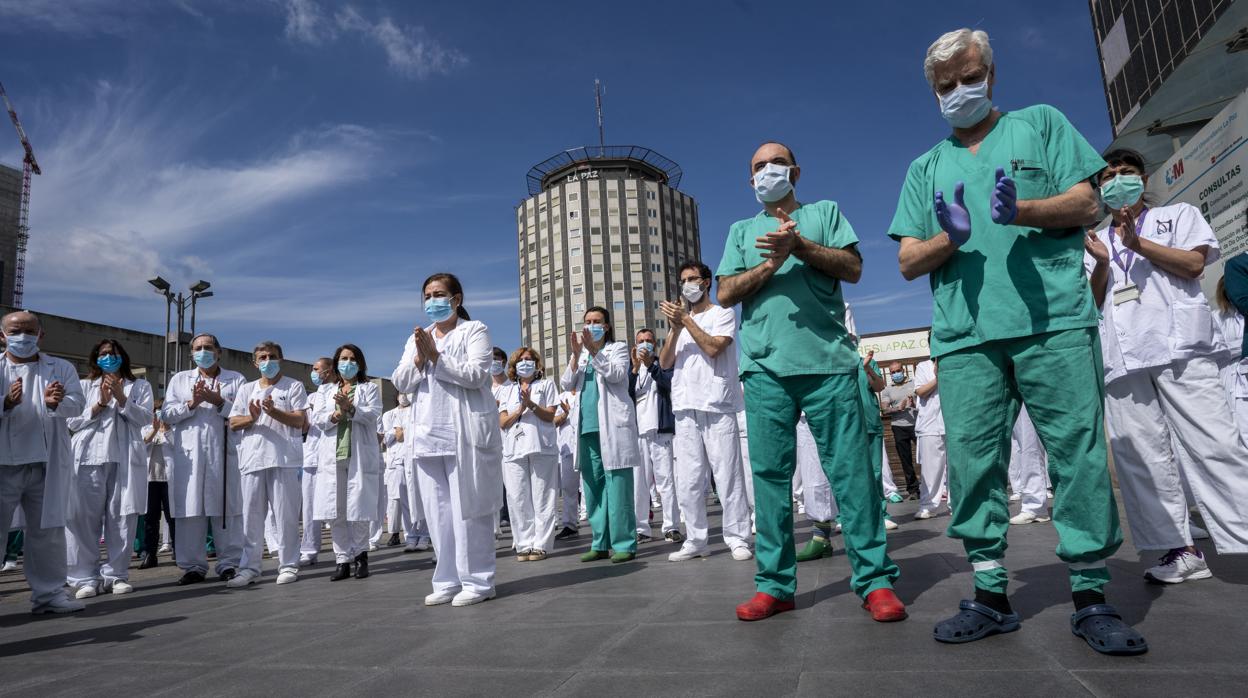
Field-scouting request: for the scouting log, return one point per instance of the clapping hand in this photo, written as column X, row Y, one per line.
column 116, row 390
column 267, row 405
column 1004, row 199
column 1126, row 229
column 253, row 409
column 778, row 245
column 953, row 217
column 574, row 341
column 675, row 313
column 53, row 394
column 1093, row 246
column 14, row 396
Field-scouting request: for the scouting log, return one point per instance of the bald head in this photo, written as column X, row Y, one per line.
column 773, row 152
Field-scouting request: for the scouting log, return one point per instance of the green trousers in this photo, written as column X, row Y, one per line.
column 834, row 411
column 1058, row 376
column 608, row 500
column 875, row 451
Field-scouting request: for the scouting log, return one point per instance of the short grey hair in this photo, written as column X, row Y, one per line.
column 269, row 346
column 952, row 44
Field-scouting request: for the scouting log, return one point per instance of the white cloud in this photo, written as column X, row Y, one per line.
column 306, row 22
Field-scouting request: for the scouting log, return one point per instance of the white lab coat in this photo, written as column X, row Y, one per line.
column 396, row 451
column 463, row 367
column 364, row 468
column 60, row 466
column 128, row 424
column 617, row 415
column 203, row 452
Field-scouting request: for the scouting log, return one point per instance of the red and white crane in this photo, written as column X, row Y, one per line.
column 29, row 166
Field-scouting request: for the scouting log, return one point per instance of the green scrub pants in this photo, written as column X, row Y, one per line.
column 875, row 451
column 1058, row 376
column 834, row 411
column 608, row 500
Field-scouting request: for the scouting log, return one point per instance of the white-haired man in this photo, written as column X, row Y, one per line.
column 995, row 215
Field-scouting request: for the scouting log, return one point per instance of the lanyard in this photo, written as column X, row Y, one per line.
column 1125, row 264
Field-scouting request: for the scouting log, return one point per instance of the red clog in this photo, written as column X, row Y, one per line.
column 763, row 606
column 884, row 606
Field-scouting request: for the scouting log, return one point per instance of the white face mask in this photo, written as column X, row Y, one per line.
column 966, row 105
column 497, row 367
column 692, row 291
column 772, row 183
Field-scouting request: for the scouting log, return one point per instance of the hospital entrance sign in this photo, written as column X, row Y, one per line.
column 906, row 346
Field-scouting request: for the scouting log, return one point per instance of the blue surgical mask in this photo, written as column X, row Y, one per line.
column 497, row 367
column 204, row 358
column 966, row 105
column 270, row 368
column 316, row 378
column 109, row 364
column 772, row 183
column 348, row 369
column 439, row 309
column 646, row 347
column 1122, row 191
column 526, row 368
column 23, row 346
column 597, row 331
column 899, row 377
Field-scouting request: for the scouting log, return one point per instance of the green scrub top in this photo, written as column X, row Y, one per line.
column 1009, row 281
column 795, row 324
column 589, row 401
column 342, row 446
column 870, row 403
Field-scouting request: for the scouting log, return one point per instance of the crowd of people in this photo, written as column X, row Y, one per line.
column 1043, row 335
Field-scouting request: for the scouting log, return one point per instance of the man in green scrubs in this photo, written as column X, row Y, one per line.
column 785, row 266
column 995, row 215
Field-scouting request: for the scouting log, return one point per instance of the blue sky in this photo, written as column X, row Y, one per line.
column 316, row 160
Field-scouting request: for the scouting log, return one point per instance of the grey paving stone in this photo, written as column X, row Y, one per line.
column 1016, row 684
column 644, row 681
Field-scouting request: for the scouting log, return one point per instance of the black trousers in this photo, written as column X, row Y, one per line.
column 903, row 439
column 157, row 504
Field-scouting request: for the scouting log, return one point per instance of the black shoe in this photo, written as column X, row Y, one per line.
column 227, row 575
column 674, row 537
column 212, row 553
column 149, row 561
column 394, row 539
column 191, row 577
column 566, row 533
column 361, row 566
column 341, row 572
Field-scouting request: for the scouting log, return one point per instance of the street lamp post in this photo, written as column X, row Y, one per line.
column 162, row 287
column 199, row 290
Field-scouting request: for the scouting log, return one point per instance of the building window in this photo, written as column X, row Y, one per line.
column 619, row 307
column 595, row 231
column 598, row 268
column 574, row 196
column 576, row 290
column 573, row 214
column 615, row 248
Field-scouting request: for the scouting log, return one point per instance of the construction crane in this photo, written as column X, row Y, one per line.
column 29, row 166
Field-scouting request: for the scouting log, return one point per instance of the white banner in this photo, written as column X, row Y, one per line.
column 1210, row 172
column 897, row 346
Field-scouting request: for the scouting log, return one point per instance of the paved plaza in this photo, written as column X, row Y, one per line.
column 643, row 628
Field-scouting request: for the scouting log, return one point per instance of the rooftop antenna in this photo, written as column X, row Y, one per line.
column 599, row 90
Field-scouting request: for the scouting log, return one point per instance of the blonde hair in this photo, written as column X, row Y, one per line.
column 515, row 356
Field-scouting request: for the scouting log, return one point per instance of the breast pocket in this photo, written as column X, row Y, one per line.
column 1031, row 181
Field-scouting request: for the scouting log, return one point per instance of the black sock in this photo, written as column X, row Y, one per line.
column 993, row 600
column 1087, row 597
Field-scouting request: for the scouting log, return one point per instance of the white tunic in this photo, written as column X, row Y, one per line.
column 930, row 421
column 312, row 440
column 704, row 383
column 1171, row 320
column 530, row 434
column 268, row 443
column 116, row 436
column 203, row 453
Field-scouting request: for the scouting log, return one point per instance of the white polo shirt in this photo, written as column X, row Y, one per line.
column 268, row 443
column 1170, row 320
column 703, row 383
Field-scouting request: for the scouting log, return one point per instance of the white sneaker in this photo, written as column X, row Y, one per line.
column 166, row 548
column 1016, row 497
column 1050, row 492
column 372, row 547
column 924, row 514
column 890, row 525
column 58, row 605
column 307, row 560
column 687, row 552
column 86, row 591
column 423, row 544
column 1178, row 566
column 411, row 546
column 742, row 554
column 837, row 527
column 1026, row 517
column 120, row 586
column 468, row 598
column 242, row 579
column 1198, row 533
column 9, row 566
column 438, row 598
column 288, row 577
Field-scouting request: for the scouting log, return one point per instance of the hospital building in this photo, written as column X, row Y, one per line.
column 606, row 226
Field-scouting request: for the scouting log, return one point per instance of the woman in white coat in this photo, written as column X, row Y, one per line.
column 606, row 428
column 530, row 454
column 1234, row 370
column 455, row 441
column 110, row 472
column 348, row 477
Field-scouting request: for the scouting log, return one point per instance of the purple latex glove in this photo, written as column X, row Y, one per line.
column 953, row 217
column 1004, row 199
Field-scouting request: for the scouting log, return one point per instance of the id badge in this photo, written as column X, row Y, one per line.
column 1123, row 294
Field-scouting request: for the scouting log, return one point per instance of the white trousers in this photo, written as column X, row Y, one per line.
column 398, row 508
column 310, row 541
column 933, row 470
column 276, row 492
column 532, row 484
column 657, row 470
column 707, row 444
column 569, row 490
column 93, row 503
column 1029, row 476
column 348, row 538
column 416, row 508
column 43, row 553
column 1184, row 399
column 190, row 538
column 377, row 527
column 746, row 470
column 886, row 474
column 816, row 490
column 465, row 547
